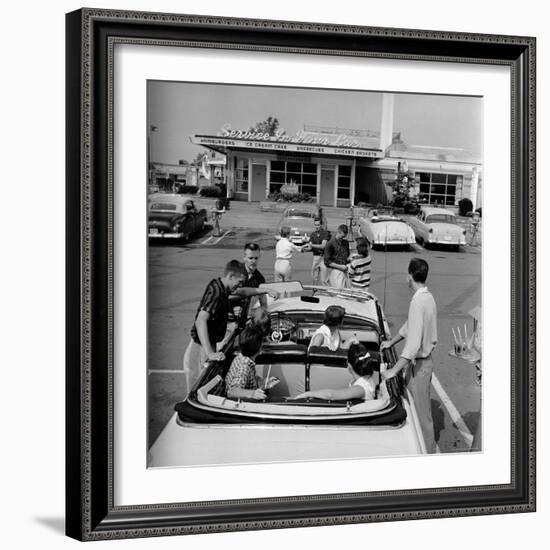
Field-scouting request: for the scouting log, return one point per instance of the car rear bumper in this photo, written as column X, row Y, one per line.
column 443, row 240
column 390, row 242
column 160, row 235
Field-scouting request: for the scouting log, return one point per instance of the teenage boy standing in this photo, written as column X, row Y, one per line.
column 211, row 321
column 420, row 335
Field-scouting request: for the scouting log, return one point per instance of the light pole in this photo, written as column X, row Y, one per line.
column 152, row 129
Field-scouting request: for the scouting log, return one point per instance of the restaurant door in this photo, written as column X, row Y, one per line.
column 259, row 173
column 326, row 196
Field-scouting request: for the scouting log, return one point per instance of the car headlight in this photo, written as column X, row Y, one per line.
column 176, row 227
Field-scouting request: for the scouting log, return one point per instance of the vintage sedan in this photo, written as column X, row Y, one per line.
column 437, row 226
column 299, row 218
column 210, row 428
column 171, row 216
column 381, row 227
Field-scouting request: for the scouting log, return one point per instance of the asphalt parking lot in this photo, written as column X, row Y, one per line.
column 178, row 274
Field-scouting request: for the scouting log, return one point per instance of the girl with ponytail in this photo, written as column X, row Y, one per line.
column 361, row 365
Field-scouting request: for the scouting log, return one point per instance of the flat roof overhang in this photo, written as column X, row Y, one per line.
column 224, row 145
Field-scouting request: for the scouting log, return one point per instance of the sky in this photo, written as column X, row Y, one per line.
column 181, row 109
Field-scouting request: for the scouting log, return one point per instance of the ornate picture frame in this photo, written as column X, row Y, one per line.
column 91, row 330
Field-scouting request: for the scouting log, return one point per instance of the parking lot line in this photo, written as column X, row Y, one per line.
column 207, row 240
column 452, row 410
column 220, row 238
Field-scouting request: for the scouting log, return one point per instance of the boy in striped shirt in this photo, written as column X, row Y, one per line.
column 359, row 266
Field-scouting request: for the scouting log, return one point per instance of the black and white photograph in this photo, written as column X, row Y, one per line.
column 314, row 274
column 181, row 366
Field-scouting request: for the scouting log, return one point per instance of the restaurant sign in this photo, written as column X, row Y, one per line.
column 302, row 142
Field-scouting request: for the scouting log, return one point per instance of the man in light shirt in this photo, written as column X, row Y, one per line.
column 420, row 335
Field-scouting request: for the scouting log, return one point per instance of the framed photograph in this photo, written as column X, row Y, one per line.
column 300, row 274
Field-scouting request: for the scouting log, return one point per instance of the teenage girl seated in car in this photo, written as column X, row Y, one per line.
column 361, row 366
column 328, row 334
column 241, row 377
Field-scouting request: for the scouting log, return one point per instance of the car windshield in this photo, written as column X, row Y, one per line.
column 315, row 318
column 299, row 214
column 440, row 218
column 163, row 206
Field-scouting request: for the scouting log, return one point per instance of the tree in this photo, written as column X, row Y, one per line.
column 268, row 126
column 403, row 190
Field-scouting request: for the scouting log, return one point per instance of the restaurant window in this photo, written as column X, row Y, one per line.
column 303, row 174
column 241, row 175
column 344, row 182
column 439, row 188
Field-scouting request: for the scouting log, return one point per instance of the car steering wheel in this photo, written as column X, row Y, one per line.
column 283, row 328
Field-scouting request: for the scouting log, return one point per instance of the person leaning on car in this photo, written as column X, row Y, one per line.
column 210, row 322
column 336, row 258
column 317, row 241
column 250, row 286
column 420, row 335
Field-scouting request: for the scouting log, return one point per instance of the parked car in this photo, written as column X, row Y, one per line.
column 437, row 226
column 172, row 216
column 299, row 218
column 281, row 427
column 382, row 228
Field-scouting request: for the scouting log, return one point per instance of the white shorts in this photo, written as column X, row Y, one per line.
column 282, row 271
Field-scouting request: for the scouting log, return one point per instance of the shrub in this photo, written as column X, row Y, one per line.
column 277, row 196
column 464, row 206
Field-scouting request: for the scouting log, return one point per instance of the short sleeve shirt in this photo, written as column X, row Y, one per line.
column 241, row 374
column 317, row 237
column 336, row 252
column 254, row 280
column 359, row 271
column 284, row 249
column 214, row 301
column 330, row 340
column 369, row 387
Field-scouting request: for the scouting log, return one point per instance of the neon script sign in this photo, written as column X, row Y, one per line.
column 281, row 136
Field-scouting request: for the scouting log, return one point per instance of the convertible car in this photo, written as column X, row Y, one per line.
column 172, row 216
column 382, row 228
column 437, row 226
column 210, row 428
column 299, row 218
